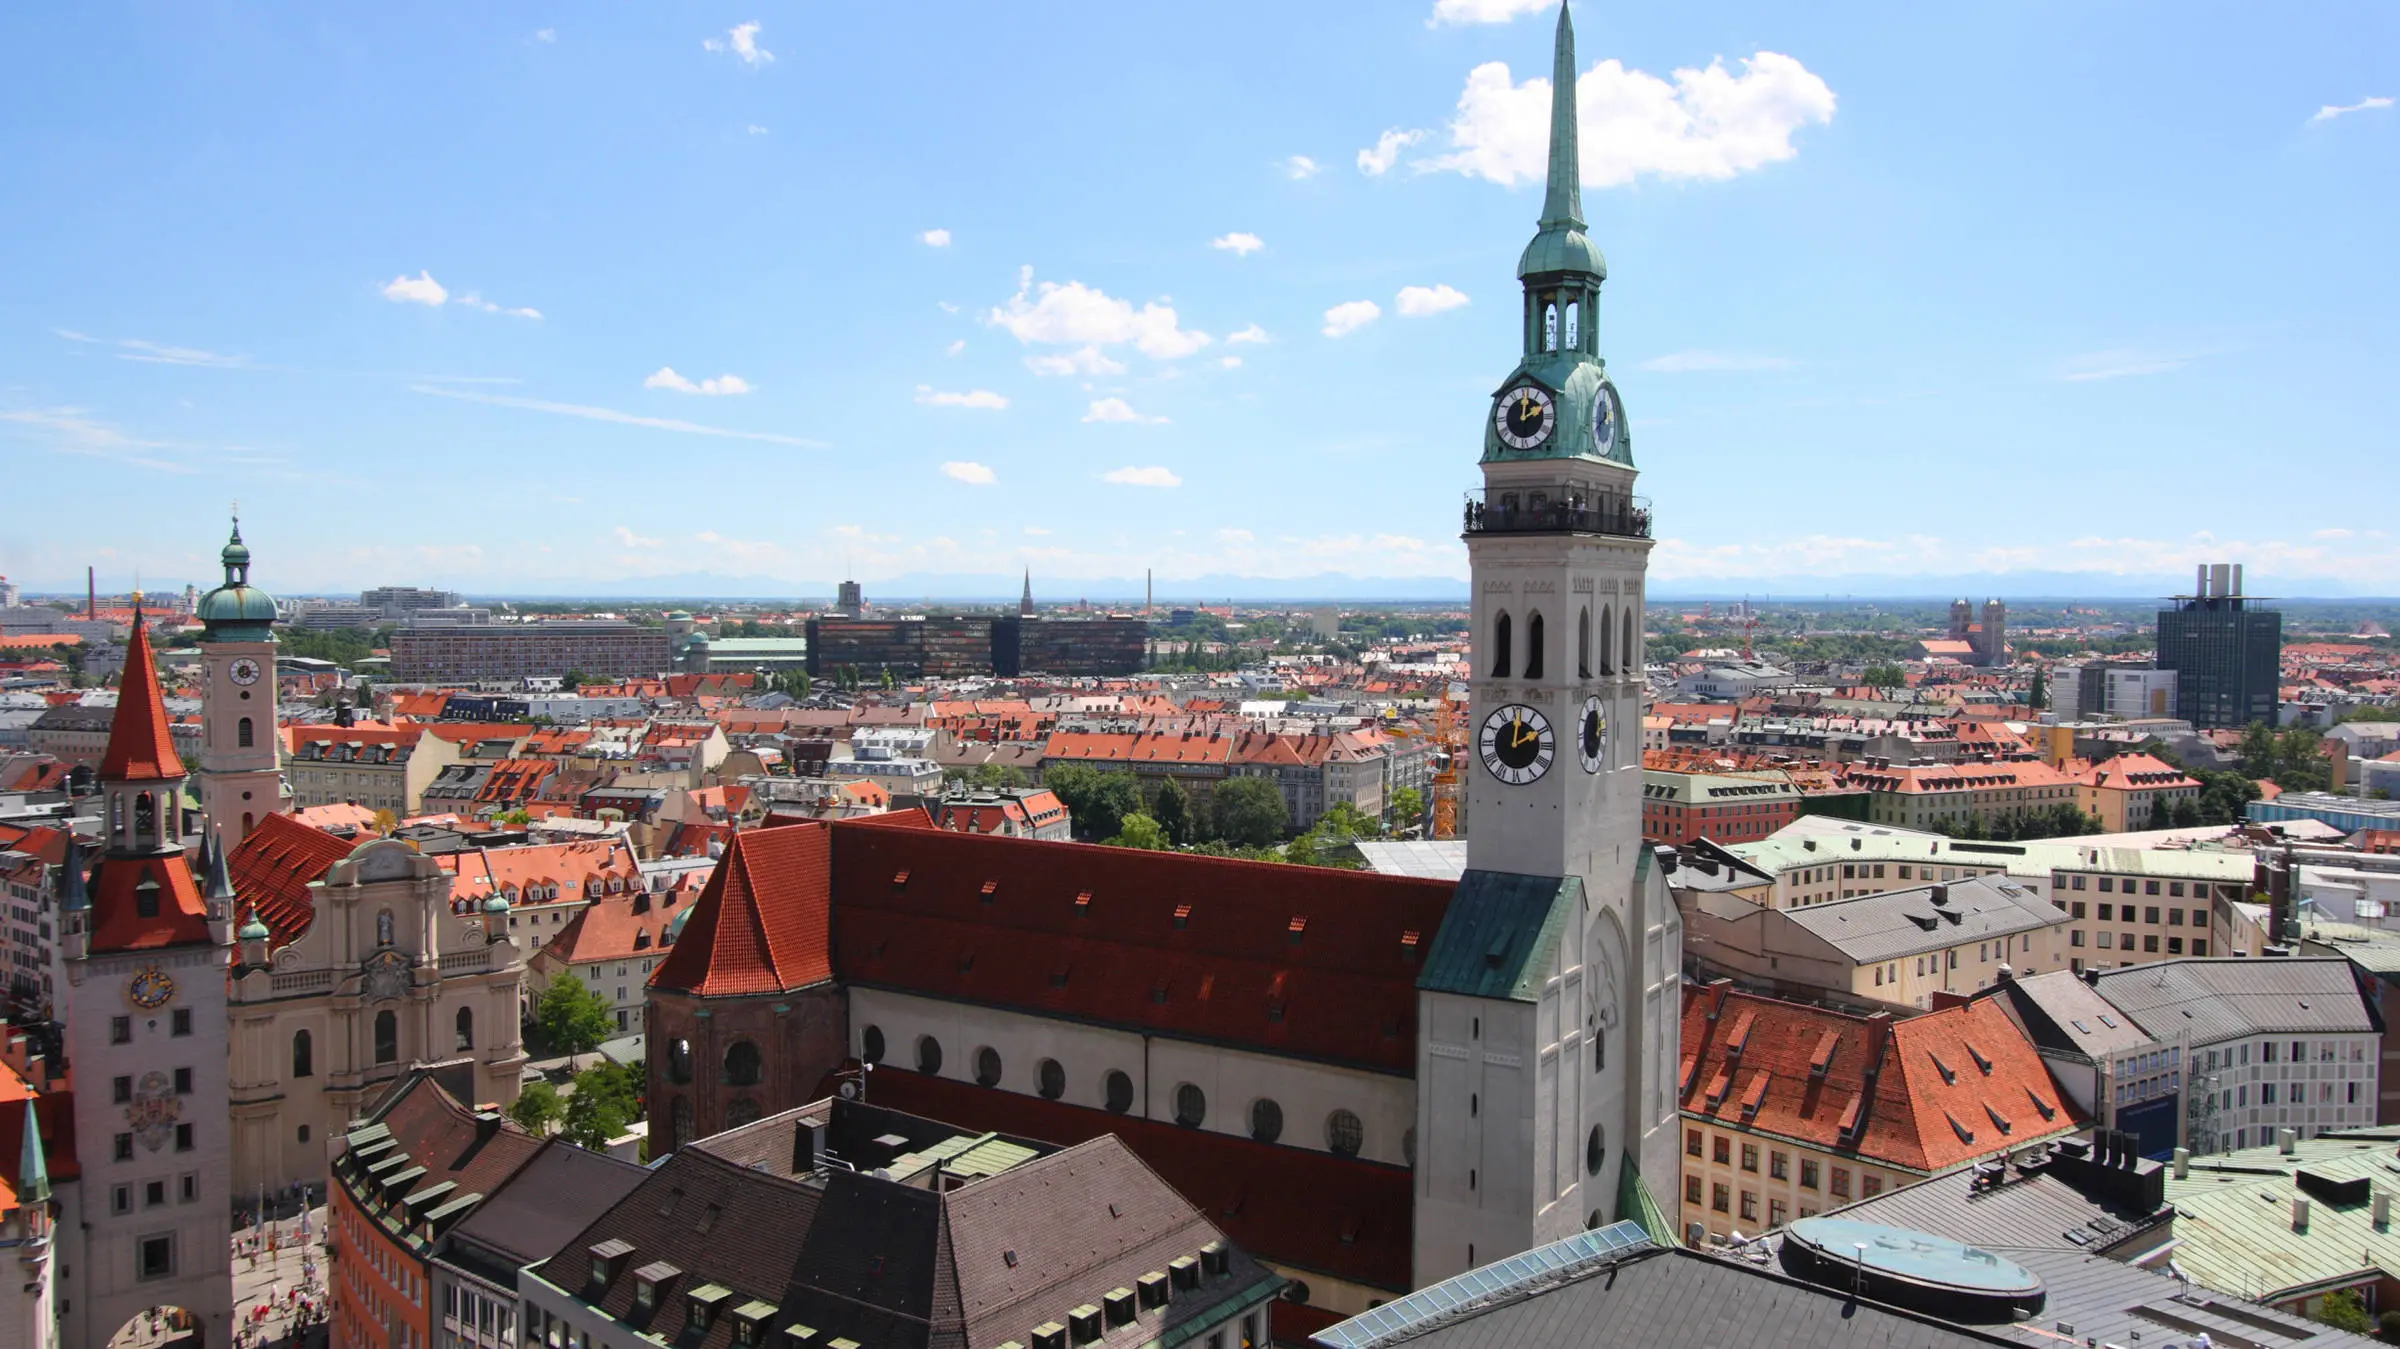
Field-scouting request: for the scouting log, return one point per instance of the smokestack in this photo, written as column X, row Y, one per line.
column 91, row 594
column 2237, row 578
column 2199, row 580
column 2220, row 578
column 2299, row 1214
column 2183, row 1163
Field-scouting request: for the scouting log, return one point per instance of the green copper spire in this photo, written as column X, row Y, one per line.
column 1564, row 204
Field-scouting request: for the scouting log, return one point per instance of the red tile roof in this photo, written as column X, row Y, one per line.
column 996, row 921
column 117, row 921
column 763, row 924
column 1927, row 1094
column 1299, row 1208
column 140, row 746
column 272, row 868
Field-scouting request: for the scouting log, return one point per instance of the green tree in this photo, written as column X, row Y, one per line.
column 2369, row 712
column 991, row 777
column 1884, row 677
column 1248, row 811
column 2037, row 695
column 1408, row 808
column 573, row 680
column 1096, row 801
column 2300, row 762
column 2344, row 1310
column 1171, row 808
column 1140, row 831
column 607, row 1098
column 887, row 676
column 515, row 819
column 536, row 1108
column 570, row 1018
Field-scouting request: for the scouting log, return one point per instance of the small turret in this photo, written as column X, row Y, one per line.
column 74, row 904
column 255, row 936
column 219, row 890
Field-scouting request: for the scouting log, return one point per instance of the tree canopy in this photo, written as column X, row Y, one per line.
column 1097, row 801
column 571, row 1018
column 1248, row 811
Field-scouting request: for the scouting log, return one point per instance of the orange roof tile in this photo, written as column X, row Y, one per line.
column 764, row 924
column 140, row 746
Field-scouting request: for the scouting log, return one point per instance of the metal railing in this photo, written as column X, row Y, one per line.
column 1518, row 511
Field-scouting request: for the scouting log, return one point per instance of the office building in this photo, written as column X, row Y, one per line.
column 609, row 648
column 2225, row 652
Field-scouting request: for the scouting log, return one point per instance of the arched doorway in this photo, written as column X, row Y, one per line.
column 160, row 1328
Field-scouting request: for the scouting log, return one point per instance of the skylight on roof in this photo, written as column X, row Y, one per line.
column 1454, row 1297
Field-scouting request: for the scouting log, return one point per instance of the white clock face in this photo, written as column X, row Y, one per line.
column 1605, row 419
column 1517, row 744
column 1524, row 416
column 1591, row 735
column 244, row 671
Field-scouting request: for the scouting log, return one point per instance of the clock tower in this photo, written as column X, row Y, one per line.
column 241, row 771
column 1549, row 1010
column 143, row 950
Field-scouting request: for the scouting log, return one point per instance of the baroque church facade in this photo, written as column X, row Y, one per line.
column 1370, row 1082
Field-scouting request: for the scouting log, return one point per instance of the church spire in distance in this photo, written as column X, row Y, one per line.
column 1564, row 203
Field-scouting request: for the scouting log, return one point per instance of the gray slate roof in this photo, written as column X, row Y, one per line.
column 2224, row 999
column 1680, row 1299
column 2060, row 1011
column 2028, row 1221
column 1901, row 923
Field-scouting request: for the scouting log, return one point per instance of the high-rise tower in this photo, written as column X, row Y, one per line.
column 241, row 770
column 1545, row 1059
column 143, row 953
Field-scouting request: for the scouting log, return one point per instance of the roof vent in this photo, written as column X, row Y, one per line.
column 1298, row 926
column 1408, row 944
column 1183, row 915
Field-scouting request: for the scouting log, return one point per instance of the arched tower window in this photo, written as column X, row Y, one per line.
column 1549, row 325
column 743, row 1064
column 387, row 1037
column 466, row 1028
column 1574, row 325
column 304, row 1055
column 244, row 735
column 1583, row 642
column 1533, row 647
column 1608, row 655
column 1633, row 653
column 145, row 817
column 1500, row 646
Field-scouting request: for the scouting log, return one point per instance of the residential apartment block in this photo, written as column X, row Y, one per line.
column 466, row 653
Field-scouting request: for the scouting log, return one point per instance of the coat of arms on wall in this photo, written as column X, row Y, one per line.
column 154, row 1110
column 386, row 976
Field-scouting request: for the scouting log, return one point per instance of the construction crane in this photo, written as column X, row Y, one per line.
column 1446, row 720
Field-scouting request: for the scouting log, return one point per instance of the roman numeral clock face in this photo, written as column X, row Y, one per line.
column 1517, row 744
column 1524, row 416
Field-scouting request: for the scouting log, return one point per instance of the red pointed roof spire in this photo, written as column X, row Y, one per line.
column 141, row 747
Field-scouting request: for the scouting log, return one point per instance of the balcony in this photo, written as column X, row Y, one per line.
column 1518, row 511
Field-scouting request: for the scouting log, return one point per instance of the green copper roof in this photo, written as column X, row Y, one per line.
column 1560, row 246
column 1498, row 935
column 237, row 610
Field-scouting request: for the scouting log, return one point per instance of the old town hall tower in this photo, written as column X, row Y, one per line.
column 1548, row 1032
column 241, row 772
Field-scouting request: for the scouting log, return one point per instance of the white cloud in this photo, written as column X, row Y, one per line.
column 418, row 289
column 978, row 398
column 2329, row 111
column 1081, row 315
column 935, row 238
column 1117, row 410
column 2120, row 364
column 722, row 385
column 546, row 35
column 1378, row 160
column 1710, row 123
column 955, row 347
column 471, row 300
column 632, row 540
column 1481, row 11
column 1350, row 316
column 1301, row 166
column 159, row 353
column 1697, row 362
column 1239, row 244
column 589, row 412
column 2331, row 534
column 1084, row 361
column 1153, row 476
column 1230, row 362
column 1253, row 333
column 756, row 130
column 742, row 41
column 1418, row 301
column 967, row 471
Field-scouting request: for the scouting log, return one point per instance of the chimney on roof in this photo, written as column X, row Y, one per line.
column 2286, row 1140
column 2299, row 1213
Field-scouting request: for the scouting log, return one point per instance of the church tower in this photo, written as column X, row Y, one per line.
column 144, row 953
column 1549, row 1011
column 241, row 770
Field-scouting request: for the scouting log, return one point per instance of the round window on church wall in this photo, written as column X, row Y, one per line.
column 1191, row 1106
column 1118, row 1088
column 1595, row 1151
column 870, row 1044
column 929, row 1056
column 1051, row 1078
column 1266, row 1120
column 987, row 1067
column 1344, row 1135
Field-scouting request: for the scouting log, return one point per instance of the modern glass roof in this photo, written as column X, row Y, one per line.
column 1478, row 1287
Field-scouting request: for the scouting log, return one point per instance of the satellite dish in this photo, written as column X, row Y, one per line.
column 848, row 1091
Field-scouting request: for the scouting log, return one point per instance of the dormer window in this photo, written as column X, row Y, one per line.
column 750, row 1323
column 700, row 1309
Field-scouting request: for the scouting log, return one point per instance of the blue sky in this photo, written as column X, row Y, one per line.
column 529, row 297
